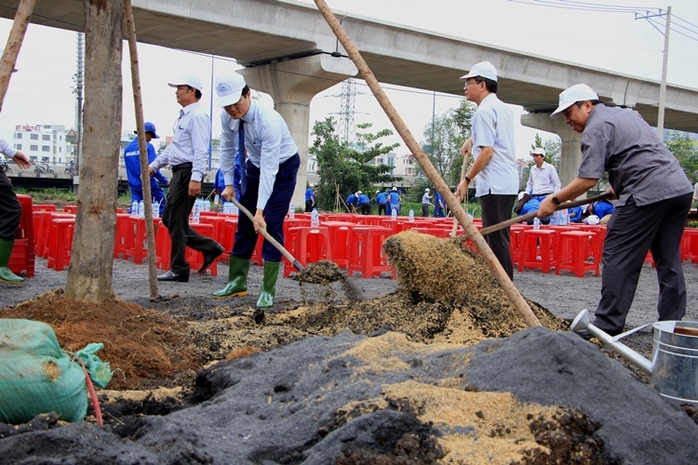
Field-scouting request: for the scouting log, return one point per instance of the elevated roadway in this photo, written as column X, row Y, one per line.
column 290, row 52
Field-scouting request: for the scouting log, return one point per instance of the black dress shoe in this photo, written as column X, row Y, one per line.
column 208, row 259
column 172, row 276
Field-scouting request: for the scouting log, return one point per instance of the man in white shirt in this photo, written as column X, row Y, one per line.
column 495, row 161
column 543, row 179
column 187, row 156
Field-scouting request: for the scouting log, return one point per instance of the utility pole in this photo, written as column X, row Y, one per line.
column 79, row 85
column 665, row 61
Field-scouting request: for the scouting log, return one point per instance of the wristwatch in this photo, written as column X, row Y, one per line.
column 468, row 179
column 556, row 201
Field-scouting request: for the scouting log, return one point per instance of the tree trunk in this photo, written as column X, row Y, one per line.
column 90, row 273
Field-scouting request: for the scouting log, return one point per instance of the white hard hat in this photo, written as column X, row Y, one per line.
column 426, row 190
column 483, row 69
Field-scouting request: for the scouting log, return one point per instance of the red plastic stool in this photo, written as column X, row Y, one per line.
column 135, row 238
column 537, row 249
column 163, row 249
column 230, row 225
column 70, row 209
column 308, row 244
column 341, row 234
column 366, row 252
column 45, row 234
column 121, row 235
column 515, row 242
column 689, row 245
column 60, row 242
column 573, row 251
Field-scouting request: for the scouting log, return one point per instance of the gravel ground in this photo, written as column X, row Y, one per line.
column 564, row 295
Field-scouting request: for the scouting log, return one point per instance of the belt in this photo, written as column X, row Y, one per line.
column 182, row 166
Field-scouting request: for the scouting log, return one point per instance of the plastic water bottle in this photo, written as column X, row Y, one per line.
column 536, row 223
column 216, row 199
column 393, row 214
column 411, row 215
column 291, row 211
column 196, row 212
column 314, row 218
column 555, row 218
column 564, row 218
column 141, row 209
column 134, row 208
column 156, row 209
column 206, row 204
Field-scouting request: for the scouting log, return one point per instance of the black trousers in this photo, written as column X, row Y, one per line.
column 630, row 233
column 175, row 217
column 495, row 209
column 10, row 209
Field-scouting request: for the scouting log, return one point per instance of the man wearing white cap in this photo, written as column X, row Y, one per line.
column 542, row 179
column 426, row 202
column 270, row 164
column 495, row 160
column 187, row 156
column 654, row 196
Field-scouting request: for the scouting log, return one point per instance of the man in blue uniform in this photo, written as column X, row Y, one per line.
column 364, row 203
column 352, row 202
column 394, row 201
column 310, row 198
column 381, row 201
column 133, row 169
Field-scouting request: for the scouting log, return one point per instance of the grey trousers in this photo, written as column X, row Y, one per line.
column 632, row 231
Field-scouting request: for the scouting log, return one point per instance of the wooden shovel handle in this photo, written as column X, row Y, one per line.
column 296, row 264
column 531, row 215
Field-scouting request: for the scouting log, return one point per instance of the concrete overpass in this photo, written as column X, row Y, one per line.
column 290, row 52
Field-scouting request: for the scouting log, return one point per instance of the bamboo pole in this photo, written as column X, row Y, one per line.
column 512, row 293
column 130, row 27
column 14, row 43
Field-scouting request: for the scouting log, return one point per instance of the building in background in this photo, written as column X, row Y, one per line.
column 45, row 143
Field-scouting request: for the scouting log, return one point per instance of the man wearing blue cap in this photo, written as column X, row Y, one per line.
column 133, row 169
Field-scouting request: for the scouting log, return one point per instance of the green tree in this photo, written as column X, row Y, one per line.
column 444, row 138
column 344, row 169
column 686, row 152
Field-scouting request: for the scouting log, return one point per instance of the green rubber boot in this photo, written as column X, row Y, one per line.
column 268, row 291
column 6, row 275
column 237, row 279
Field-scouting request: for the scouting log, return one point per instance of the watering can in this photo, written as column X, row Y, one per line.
column 674, row 365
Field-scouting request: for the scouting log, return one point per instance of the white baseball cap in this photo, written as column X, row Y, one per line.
column 426, row 189
column 187, row 80
column 229, row 89
column 572, row 95
column 538, row 151
column 483, row 69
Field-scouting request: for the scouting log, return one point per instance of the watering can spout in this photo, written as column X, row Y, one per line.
column 583, row 322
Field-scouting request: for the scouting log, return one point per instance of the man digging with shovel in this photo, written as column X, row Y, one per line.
column 270, row 162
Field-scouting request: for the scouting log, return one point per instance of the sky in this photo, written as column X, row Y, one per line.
column 42, row 91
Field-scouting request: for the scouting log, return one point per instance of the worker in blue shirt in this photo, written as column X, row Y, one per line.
column 601, row 208
column 364, row 203
column 133, row 169
column 574, row 215
column 219, row 182
column 439, row 206
column 310, row 198
column 352, row 202
column 394, row 201
column 381, row 201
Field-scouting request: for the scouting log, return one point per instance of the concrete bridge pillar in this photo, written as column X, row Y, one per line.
column 571, row 151
column 292, row 84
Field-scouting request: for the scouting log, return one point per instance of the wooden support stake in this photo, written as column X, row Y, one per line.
column 130, row 27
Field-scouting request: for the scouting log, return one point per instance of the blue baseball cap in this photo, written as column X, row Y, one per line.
column 149, row 127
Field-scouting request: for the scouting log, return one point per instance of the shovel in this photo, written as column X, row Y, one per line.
column 296, row 264
column 531, row 215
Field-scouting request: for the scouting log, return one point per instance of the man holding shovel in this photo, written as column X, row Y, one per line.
column 495, row 160
column 654, row 196
column 269, row 164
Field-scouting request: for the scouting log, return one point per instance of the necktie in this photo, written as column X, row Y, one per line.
column 243, row 156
